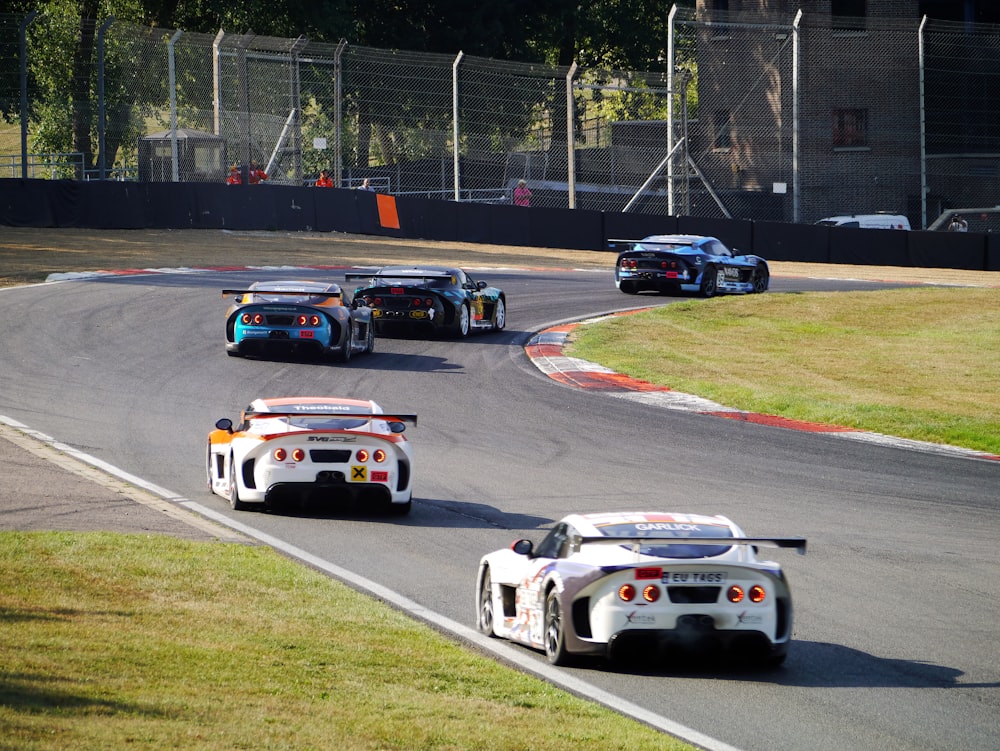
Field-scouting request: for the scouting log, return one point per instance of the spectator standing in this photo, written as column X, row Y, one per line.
column 324, row 180
column 234, row 178
column 958, row 224
column 522, row 196
column 366, row 185
column 256, row 173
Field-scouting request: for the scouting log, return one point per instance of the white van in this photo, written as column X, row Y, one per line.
column 868, row 221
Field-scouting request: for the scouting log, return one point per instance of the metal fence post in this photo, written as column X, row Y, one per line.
column 24, row 91
column 795, row 115
column 101, row 111
column 174, row 168
column 570, row 137
column 338, row 113
column 455, row 134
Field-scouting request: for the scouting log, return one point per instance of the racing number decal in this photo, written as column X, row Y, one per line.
column 359, row 474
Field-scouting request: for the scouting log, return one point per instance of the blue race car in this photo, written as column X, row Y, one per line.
column 687, row 263
column 296, row 317
column 442, row 298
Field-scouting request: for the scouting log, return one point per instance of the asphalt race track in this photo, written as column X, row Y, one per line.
column 897, row 601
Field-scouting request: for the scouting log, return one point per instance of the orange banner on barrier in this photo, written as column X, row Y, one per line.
column 387, row 215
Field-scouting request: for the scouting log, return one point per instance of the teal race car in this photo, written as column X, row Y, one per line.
column 297, row 318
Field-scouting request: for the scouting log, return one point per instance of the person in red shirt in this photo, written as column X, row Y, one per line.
column 324, row 180
column 256, row 173
column 233, row 178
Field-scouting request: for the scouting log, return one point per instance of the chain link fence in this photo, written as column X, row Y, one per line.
column 766, row 118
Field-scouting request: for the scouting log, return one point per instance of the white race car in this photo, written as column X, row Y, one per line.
column 323, row 450
column 640, row 585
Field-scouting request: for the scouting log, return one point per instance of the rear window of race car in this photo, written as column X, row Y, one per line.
column 679, row 530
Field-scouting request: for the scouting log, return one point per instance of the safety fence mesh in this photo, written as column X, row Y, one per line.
column 750, row 116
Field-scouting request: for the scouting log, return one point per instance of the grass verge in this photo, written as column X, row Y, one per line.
column 148, row 642
column 921, row 363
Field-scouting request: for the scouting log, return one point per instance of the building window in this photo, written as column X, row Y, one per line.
column 848, row 15
column 723, row 130
column 850, row 129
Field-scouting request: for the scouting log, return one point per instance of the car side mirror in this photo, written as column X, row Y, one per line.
column 523, row 547
column 224, row 424
column 481, row 285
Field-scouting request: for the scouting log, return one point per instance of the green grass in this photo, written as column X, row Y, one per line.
column 112, row 641
column 919, row 363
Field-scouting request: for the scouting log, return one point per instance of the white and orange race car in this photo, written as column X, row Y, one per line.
column 322, row 451
column 647, row 585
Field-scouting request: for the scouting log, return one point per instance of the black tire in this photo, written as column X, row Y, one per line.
column 629, row 288
column 370, row 338
column 462, row 321
column 761, row 279
column 208, row 467
column 555, row 631
column 234, row 492
column 500, row 315
column 344, row 355
column 484, row 618
column 400, row 509
column 709, row 282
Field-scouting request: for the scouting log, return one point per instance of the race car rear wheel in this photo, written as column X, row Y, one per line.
column 462, row 321
column 344, row 355
column 555, row 631
column 500, row 316
column 400, row 509
column 234, row 491
column 761, row 279
column 629, row 288
column 370, row 338
column 485, row 620
column 709, row 282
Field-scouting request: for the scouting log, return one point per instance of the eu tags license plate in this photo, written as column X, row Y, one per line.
column 694, row 577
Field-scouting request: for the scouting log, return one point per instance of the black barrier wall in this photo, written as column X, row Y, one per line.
column 128, row 205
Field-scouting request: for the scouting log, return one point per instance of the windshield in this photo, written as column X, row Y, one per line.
column 640, row 530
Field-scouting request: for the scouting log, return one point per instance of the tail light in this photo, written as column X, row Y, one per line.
column 651, row 593
column 311, row 320
column 756, row 593
column 735, row 593
column 629, row 263
column 379, row 455
column 362, row 455
column 377, row 301
column 280, row 455
column 298, row 455
column 255, row 319
column 626, row 592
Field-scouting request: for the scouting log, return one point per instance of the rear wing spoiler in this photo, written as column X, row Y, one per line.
column 414, row 277
column 622, row 244
column 392, row 417
column 797, row 543
column 286, row 292
column 625, row 245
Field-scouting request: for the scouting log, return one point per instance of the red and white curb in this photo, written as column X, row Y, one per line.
column 545, row 350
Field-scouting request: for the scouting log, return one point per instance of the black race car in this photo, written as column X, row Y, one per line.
column 442, row 298
column 687, row 263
